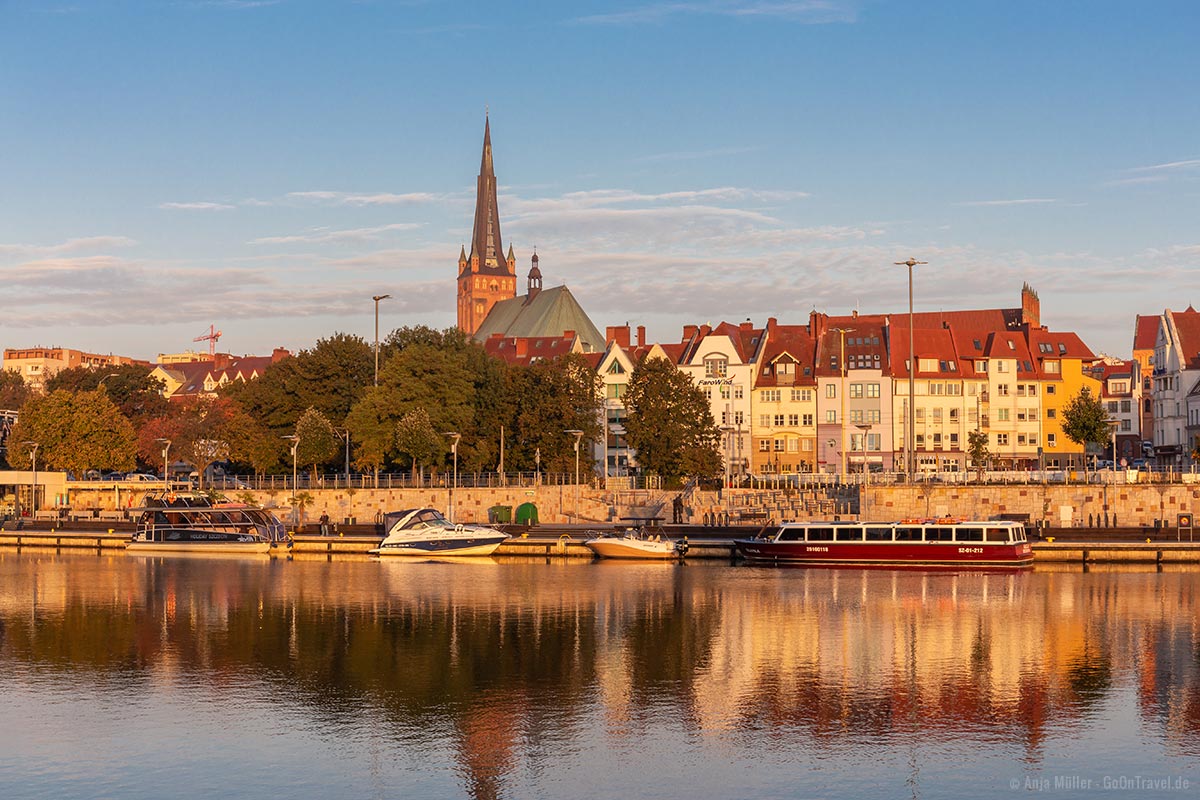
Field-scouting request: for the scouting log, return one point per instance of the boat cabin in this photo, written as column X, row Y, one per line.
column 908, row 532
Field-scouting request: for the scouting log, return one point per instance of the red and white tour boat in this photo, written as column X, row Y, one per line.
column 937, row 542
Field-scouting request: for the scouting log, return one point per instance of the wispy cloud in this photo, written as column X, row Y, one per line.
column 326, row 235
column 1192, row 163
column 694, row 155
column 807, row 12
column 361, row 199
column 78, row 245
column 196, row 206
column 1023, row 201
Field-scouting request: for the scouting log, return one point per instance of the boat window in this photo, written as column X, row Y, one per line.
column 849, row 534
column 820, row 534
column 791, row 535
column 879, row 534
column 1019, row 533
column 939, row 533
column 908, row 534
column 969, row 535
column 997, row 535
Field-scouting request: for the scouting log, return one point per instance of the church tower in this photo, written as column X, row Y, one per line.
column 487, row 275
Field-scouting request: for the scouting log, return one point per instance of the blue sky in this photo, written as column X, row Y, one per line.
column 267, row 166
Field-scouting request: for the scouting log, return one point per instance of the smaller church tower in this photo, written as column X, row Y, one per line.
column 487, row 276
column 535, row 281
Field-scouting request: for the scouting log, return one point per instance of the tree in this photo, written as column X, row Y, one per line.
column 318, row 440
column 75, row 432
column 417, row 438
column 131, row 387
column 669, row 422
column 977, row 451
column 372, row 424
column 1084, row 420
column 201, row 431
column 547, row 398
column 13, row 390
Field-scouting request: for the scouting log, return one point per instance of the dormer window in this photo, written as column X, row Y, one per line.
column 716, row 367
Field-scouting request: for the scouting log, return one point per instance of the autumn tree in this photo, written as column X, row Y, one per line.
column 669, row 422
column 977, row 451
column 202, row 432
column 547, row 398
column 318, row 441
column 130, row 386
column 13, row 390
column 418, row 439
column 75, row 432
column 372, row 425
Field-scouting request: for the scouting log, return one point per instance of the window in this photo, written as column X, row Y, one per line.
column 764, row 420
column 725, row 392
column 770, row 396
column 739, row 418
column 793, row 420
column 1002, row 366
column 831, row 416
column 954, row 441
column 954, row 415
column 937, row 441
column 918, row 415
column 1051, row 368
column 1021, row 439
column 981, row 366
column 778, row 420
column 1051, row 413
column 937, row 415
column 1126, row 425
column 802, row 395
column 856, row 390
column 1002, row 414
column 793, row 445
column 830, row 390
column 737, row 392
column 616, row 369
column 921, row 440
column 808, row 419
column 856, row 416
column 1001, row 439
column 764, row 445
column 927, row 364
column 872, row 390
column 1051, row 440
column 806, row 445
column 716, row 367
column 1002, row 389
column 873, row 415
column 1050, row 388
column 1125, row 406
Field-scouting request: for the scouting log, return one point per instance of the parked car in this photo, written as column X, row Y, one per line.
column 142, row 477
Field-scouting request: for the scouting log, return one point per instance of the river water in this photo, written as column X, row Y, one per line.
column 148, row 677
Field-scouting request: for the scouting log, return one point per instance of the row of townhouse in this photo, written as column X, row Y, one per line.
column 832, row 395
column 1174, row 397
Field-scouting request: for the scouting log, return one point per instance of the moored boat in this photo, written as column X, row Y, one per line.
column 939, row 542
column 637, row 545
column 191, row 522
column 424, row 532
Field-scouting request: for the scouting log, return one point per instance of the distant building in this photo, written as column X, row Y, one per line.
column 541, row 313
column 1176, row 372
column 37, row 365
column 185, row 379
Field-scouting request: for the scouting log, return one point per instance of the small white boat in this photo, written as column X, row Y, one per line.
column 636, row 544
column 424, row 532
column 190, row 522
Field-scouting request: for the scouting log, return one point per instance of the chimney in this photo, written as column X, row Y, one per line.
column 279, row 354
column 641, row 333
column 522, row 346
column 618, row 334
column 689, row 332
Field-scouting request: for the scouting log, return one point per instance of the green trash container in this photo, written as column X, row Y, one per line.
column 527, row 514
column 500, row 515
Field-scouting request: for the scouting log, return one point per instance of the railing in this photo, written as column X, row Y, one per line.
column 427, row 480
column 1050, row 476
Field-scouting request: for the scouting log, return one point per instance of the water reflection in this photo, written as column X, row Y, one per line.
column 511, row 679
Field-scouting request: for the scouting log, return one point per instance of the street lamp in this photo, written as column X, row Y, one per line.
column 843, row 391
column 33, row 448
column 454, row 437
column 100, row 385
column 377, row 298
column 166, row 443
column 910, row 426
column 578, row 435
column 295, row 440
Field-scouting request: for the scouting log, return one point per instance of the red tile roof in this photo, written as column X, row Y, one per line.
column 527, row 349
column 1145, row 332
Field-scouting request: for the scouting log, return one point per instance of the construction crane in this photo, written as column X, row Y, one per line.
column 211, row 337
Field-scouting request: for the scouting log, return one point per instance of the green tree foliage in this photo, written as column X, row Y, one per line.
column 372, row 425
column 202, row 431
column 418, row 439
column 669, row 422
column 1084, row 420
column 330, row 377
column 319, row 442
column 977, row 451
column 75, row 432
column 13, row 390
column 547, row 398
column 131, row 387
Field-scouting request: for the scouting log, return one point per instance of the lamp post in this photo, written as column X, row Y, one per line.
column 166, row 443
column 829, row 446
column 578, row 434
column 454, row 437
column 910, row 424
column 100, row 385
column 295, row 440
column 377, row 298
column 345, row 434
column 842, row 391
column 33, row 448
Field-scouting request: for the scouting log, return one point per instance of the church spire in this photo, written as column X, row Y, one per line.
column 485, row 239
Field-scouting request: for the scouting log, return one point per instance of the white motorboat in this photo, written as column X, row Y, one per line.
column 424, row 532
column 637, row 544
column 190, row 522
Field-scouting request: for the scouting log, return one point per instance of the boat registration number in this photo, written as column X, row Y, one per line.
column 816, row 549
column 970, row 549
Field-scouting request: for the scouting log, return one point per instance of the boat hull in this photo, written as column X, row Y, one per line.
column 895, row 553
column 475, row 546
column 614, row 547
column 198, row 547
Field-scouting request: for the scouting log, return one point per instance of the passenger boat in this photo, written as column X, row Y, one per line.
column 425, row 532
column 940, row 542
column 192, row 522
column 637, row 544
